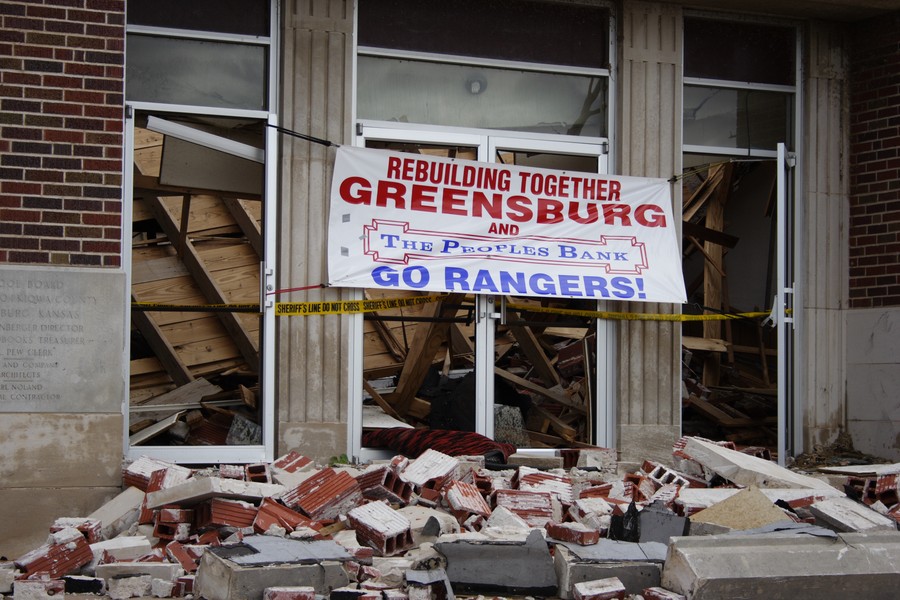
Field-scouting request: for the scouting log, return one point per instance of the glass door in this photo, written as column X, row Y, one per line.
column 488, row 363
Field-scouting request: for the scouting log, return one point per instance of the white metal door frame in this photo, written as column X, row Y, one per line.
column 486, row 310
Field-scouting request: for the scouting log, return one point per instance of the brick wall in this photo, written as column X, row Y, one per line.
column 875, row 163
column 61, row 131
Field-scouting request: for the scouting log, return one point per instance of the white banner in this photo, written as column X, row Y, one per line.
column 409, row 221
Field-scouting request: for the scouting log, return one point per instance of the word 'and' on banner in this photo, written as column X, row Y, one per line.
column 416, row 222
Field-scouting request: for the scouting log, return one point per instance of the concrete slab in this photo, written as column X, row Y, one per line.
column 271, row 550
column 844, row 514
column 199, row 489
column 513, row 567
column 785, row 567
column 220, row 578
column 658, row 524
column 745, row 469
column 607, row 550
column 635, row 575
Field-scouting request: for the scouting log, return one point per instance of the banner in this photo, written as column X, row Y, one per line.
column 416, row 222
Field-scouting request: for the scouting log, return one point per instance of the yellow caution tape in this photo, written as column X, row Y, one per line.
column 294, row 309
column 618, row 316
column 158, row 306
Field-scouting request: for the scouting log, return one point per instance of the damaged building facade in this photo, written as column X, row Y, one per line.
column 164, row 191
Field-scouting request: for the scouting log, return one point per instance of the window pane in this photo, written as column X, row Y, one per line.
column 527, row 31
column 736, row 118
column 468, row 96
column 194, row 72
column 733, row 51
column 246, row 17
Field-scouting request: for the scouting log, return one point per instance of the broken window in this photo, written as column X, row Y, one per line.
column 737, row 109
column 198, row 86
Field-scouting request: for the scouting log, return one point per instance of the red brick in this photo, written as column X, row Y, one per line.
column 379, row 526
column 575, row 533
column 383, row 483
column 325, row 495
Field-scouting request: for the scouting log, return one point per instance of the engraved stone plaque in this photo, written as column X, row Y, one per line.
column 61, row 339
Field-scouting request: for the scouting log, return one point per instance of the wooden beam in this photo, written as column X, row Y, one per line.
column 247, row 344
column 164, row 351
column 429, row 337
column 565, row 430
column 247, row 222
column 531, row 348
column 537, row 389
column 713, row 273
column 380, row 401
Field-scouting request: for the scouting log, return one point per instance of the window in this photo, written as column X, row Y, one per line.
column 739, row 86
column 205, row 56
column 517, row 66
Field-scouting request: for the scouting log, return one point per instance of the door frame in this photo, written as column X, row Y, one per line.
column 264, row 452
column 487, row 309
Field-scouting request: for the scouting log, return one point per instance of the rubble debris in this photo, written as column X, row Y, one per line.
column 511, row 564
column 39, row 589
column 748, row 509
column 734, row 566
column 631, row 567
column 845, row 515
column 437, row 525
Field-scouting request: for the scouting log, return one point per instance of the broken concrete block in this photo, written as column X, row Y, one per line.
column 7, row 576
column 434, row 581
column 609, row 588
column 465, row 499
column 243, row 571
column 627, row 561
column 844, row 514
column 381, row 482
column 747, row 470
column 63, row 554
column 272, row 514
column 658, row 524
column 39, row 589
column 381, row 527
column 475, row 562
column 293, row 592
column 122, row 548
column 89, row 528
column 535, row 508
column 430, row 469
column 503, row 518
column 866, row 565
column 158, row 570
column 139, row 472
column 136, row 586
column 604, row 460
column 231, row 513
column 120, row 513
column 199, row 489
column 162, row 588
column 532, row 480
column 428, row 523
column 325, row 495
